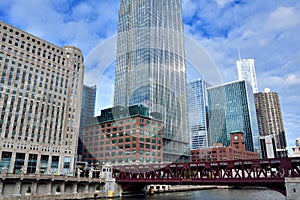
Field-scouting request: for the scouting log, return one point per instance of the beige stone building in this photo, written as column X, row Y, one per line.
column 40, row 101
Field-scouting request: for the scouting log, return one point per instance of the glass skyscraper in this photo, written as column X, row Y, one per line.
column 150, row 68
column 231, row 108
column 87, row 111
column 246, row 71
column 197, row 112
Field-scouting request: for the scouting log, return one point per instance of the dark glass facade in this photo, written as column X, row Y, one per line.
column 231, row 108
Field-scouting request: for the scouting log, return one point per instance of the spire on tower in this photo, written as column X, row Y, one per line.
column 239, row 53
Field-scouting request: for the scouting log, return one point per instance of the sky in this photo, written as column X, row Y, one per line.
column 267, row 31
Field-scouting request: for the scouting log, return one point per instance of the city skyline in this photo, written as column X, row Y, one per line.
column 266, row 32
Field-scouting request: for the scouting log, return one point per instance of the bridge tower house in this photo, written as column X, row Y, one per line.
column 111, row 188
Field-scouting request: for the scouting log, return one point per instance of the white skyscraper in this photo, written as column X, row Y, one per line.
column 246, row 71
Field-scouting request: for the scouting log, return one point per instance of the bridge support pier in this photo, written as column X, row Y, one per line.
column 292, row 185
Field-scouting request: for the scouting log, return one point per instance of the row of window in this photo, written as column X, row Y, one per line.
column 129, row 136
column 18, row 166
column 9, row 68
column 32, row 44
column 122, row 160
column 26, row 111
column 121, row 146
column 128, row 121
column 31, row 72
column 123, row 153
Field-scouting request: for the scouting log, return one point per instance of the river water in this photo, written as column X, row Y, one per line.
column 214, row 194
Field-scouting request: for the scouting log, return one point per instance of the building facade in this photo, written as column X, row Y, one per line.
column 40, row 101
column 88, row 104
column 231, row 108
column 124, row 135
column 197, row 113
column 270, row 120
column 246, row 71
column 150, row 67
column 236, row 151
column 87, row 111
column 267, row 146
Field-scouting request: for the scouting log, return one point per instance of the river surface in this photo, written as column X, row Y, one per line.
column 214, row 194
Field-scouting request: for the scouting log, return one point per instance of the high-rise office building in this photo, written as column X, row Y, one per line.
column 88, row 103
column 197, row 113
column 270, row 119
column 40, row 100
column 150, row 68
column 231, row 108
column 246, row 71
column 87, row 111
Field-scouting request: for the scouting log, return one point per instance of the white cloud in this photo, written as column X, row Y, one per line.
column 280, row 81
column 291, row 80
column 221, row 3
column 283, row 18
column 190, row 8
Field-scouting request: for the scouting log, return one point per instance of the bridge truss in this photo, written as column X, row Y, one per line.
column 269, row 173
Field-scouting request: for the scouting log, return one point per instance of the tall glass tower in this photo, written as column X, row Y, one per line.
column 197, row 112
column 150, row 68
column 246, row 71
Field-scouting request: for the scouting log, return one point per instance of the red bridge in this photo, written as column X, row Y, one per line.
column 269, row 173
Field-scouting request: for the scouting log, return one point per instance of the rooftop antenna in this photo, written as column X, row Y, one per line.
column 239, row 53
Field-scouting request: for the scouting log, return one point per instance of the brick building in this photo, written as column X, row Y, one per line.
column 123, row 135
column 236, row 151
